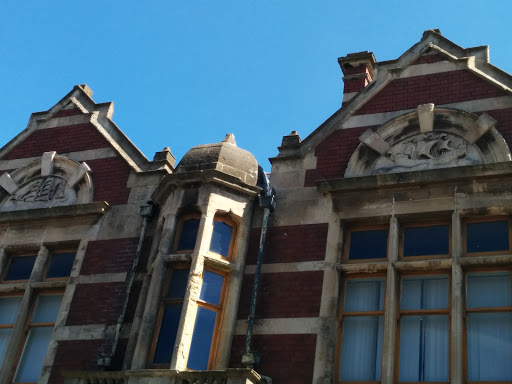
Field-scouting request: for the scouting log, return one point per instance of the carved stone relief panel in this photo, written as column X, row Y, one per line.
column 428, row 139
column 50, row 182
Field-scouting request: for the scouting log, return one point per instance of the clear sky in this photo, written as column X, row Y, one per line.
column 186, row 72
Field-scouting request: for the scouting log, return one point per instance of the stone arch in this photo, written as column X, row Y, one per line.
column 428, row 138
column 51, row 181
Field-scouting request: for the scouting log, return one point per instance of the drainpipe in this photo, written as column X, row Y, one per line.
column 267, row 201
column 146, row 211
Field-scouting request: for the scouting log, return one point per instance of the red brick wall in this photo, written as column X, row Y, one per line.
column 75, row 355
column 438, row 88
column 283, row 295
column 289, row 244
column 71, row 138
column 109, row 256
column 284, row 358
column 110, row 176
column 333, row 155
column 96, row 303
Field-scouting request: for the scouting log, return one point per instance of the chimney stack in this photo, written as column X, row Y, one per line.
column 357, row 70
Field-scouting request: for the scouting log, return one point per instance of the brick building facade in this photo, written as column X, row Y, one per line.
column 378, row 250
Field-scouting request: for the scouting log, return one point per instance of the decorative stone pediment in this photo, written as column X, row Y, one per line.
column 428, row 138
column 52, row 181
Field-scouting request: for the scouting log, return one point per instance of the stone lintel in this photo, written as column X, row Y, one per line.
column 8, row 183
column 426, row 117
column 481, row 126
column 375, row 142
column 47, row 163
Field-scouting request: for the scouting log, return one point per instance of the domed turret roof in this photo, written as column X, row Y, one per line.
column 225, row 157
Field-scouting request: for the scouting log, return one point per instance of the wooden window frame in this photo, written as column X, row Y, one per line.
column 28, row 325
column 234, row 230
column 8, row 265
column 467, row 310
column 47, row 264
column 422, row 312
column 179, row 231
column 219, row 309
column 483, row 220
column 424, row 257
column 342, row 314
column 164, row 301
column 346, row 253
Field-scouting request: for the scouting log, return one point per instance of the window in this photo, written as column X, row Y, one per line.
column 186, row 235
column 426, row 241
column 169, row 317
column 424, row 325
column 222, row 237
column 20, row 268
column 489, row 326
column 362, row 329
column 485, row 237
column 367, row 244
column 207, row 320
column 38, row 319
column 39, row 331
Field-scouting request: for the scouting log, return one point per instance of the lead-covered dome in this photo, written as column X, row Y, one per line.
column 225, row 157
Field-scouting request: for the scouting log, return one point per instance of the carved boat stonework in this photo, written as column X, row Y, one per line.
column 427, row 151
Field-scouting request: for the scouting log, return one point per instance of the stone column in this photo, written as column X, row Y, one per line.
column 390, row 315
column 326, row 341
column 457, row 329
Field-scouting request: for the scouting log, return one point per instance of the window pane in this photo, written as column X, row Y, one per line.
column 489, row 346
column 47, row 309
column 60, row 265
column 20, row 268
column 489, row 236
column 32, row 357
column 188, row 234
column 368, row 244
column 5, row 335
column 211, row 288
column 424, row 348
column 487, row 290
column 202, row 339
column 425, row 241
column 167, row 335
column 364, row 295
column 424, row 293
column 178, row 285
column 361, row 351
column 9, row 308
column 221, row 238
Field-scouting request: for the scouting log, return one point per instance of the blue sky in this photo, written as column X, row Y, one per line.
column 186, row 72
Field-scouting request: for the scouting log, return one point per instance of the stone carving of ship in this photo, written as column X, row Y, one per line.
column 432, row 149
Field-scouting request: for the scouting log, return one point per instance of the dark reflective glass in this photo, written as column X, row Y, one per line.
column 201, row 339
column 487, row 236
column 211, row 288
column 178, row 284
column 167, row 335
column 188, row 234
column 371, row 244
column 425, row 241
column 60, row 265
column 20, row 268
column 221, row 238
